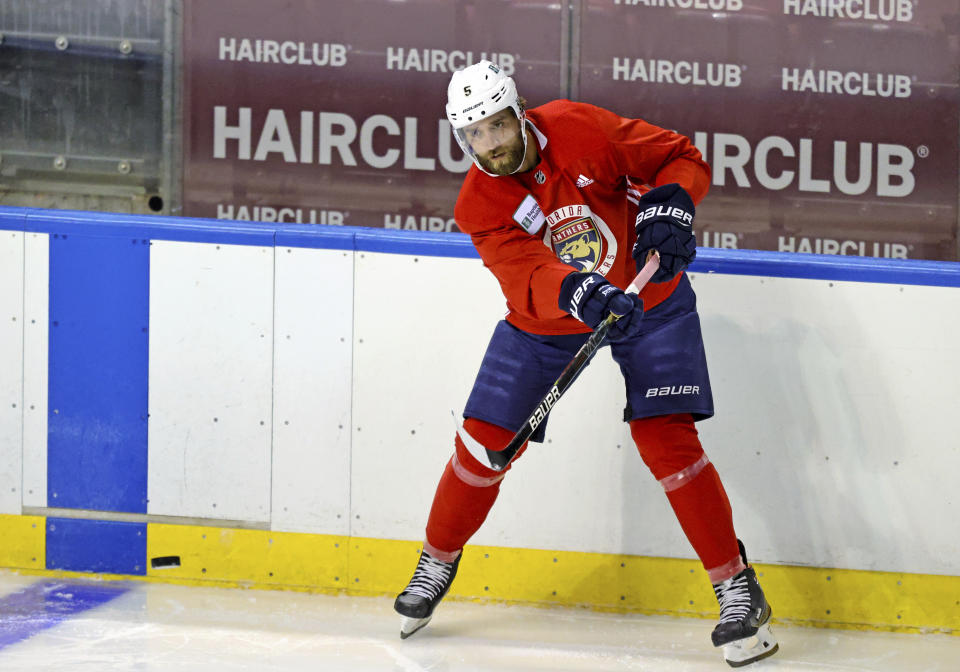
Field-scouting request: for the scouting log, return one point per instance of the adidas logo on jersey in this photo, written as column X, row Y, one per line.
column 583, row 181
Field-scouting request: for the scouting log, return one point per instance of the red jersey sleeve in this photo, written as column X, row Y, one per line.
column 529, row 273
column 655, row 156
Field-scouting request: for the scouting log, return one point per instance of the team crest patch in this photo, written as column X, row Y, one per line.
column 580, row 238
column 578, row 243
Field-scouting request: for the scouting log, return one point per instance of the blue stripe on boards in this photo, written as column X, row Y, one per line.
column 412, row 242
column 12, row 219
column 187, row 229
column 316, row 237
column 102, row 546
column 709, row 260
column 827, row 267
column 43, row 605
column 98, row 361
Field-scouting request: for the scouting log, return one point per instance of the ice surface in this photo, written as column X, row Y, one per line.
column 157, row 627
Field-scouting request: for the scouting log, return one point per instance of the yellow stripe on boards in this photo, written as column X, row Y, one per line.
column 621, row 583
column 23, row 542
column 863, row 600
column 594, row 580
column 255, row 558
column 381, row 566
column 624, row 583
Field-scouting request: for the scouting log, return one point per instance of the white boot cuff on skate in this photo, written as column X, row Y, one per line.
column 727, row 571
column 445, row 556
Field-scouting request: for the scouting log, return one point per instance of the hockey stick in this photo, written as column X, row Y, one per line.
column 499, row 460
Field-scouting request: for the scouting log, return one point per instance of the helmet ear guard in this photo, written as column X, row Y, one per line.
column 477, row 92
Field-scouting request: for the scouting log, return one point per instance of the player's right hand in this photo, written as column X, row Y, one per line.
column 590, row 298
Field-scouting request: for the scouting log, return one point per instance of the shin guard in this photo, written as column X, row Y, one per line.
column 670, row 447
column 466, row 492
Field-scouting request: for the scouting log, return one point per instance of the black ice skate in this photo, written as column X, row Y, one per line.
column 431, row 581
column 744, row 627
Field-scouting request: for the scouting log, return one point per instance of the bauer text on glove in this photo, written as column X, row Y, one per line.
column 665, row 224
column 590, row 298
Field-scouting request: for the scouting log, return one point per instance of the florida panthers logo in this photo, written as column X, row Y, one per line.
column 578, row 244
column 581, row 239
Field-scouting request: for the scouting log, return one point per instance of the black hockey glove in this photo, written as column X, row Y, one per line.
column 590, row 298
column 665, row 224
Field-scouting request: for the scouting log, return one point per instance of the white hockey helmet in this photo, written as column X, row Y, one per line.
column 477, row 92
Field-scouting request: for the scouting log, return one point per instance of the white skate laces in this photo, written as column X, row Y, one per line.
column 734, row 598
column 431, row 577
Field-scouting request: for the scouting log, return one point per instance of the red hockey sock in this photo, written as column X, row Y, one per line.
column 466, row 492
column 671, row 449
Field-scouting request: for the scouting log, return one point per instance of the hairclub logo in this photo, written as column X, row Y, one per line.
column 440, row 60
column 683, row 73
column 708, row 5
column 330, row 138
column 775, row 162
column 287, row 52
column 857, row 10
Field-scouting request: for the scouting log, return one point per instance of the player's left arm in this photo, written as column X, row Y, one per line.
column 674, row 168
column 651, row 155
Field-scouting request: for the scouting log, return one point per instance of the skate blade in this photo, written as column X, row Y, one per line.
column 751, row 649
column 408, row 625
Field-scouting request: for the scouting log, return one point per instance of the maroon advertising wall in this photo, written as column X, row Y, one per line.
column 333, row 112
column 831, row 125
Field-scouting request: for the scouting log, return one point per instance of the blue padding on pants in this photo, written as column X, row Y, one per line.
column 517, row 370
column 105, row 546
column 665, row 366
column 98, row 363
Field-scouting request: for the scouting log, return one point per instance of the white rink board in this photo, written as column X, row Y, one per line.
column 313, row 317
column 332, row 375
column 36, row 330
column 11, row 370
column 420, row 329
column 211, row 362
column 803, row 370
column 833, row 431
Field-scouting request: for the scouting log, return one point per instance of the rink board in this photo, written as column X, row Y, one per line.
column 11, row 369
column 36, row 350
column 210, row 405
column 298, row 392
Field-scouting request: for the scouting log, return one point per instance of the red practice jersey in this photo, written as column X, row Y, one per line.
column 575, row 210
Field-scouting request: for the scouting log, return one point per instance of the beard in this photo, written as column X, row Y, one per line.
column 511, row 156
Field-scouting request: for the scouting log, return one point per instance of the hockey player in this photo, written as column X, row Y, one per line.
column 564, row 203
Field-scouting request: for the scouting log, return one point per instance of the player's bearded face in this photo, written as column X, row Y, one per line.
column 497, row 142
